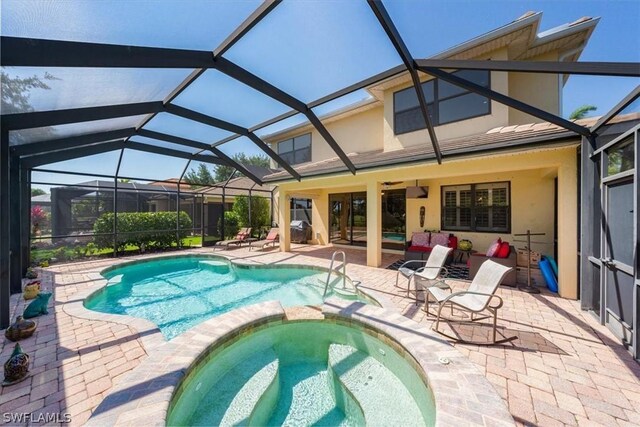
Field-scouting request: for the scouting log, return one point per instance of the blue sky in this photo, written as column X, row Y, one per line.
column 308, row 48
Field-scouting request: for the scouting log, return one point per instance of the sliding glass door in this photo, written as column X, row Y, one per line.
column 348, row 218
column 394, row 209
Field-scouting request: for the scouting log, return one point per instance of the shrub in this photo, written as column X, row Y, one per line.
column 231, row 224
column 142, row 229
column 260, row 212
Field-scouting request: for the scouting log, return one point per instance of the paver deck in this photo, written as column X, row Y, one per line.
column 564, row 368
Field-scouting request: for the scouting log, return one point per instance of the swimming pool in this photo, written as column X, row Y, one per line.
column 177, row 293
column 303, row 373
column 394, row 237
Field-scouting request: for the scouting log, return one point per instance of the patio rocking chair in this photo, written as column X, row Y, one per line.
column 433, row 269
column 476, row 299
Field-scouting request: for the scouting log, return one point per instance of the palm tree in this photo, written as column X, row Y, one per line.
column 582, row 111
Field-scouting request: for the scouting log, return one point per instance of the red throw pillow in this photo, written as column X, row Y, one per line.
column 493, row 248
column 453, row 242
column 273, row 234
column 504, row 250
column 241, row 236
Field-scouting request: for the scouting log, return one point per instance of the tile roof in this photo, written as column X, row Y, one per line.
column 504, row 137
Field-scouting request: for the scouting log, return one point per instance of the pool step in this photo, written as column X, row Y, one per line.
column 217, row 266
column 232, row 399
column 381, row 396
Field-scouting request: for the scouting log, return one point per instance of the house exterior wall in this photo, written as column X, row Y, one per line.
column 531, row 174
column 539, row 90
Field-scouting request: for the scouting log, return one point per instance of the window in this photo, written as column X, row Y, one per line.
column 301, row 210
column 477, row 207
column 296, row 150
column 446, row 103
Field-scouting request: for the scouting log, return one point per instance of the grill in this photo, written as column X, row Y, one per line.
column 300, row 231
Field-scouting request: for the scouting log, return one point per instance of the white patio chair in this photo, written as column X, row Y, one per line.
column 433, row 269
column 476, row 299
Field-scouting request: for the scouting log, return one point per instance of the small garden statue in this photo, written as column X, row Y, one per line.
column 38, row 306
column 31, row 290
column 17, row 367
column 20, row 329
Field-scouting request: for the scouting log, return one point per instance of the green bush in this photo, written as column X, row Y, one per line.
column 231, row 224
column 154, row 230
column 260, row 212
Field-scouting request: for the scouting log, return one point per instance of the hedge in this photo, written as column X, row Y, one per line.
column 154, row 230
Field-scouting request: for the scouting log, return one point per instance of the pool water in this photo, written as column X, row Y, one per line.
column 396, row 237
column 178, row 293
column 301, row 374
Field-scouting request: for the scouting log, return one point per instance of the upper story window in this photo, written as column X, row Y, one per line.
column 446, row 103
column 477, row 207
column 296, row 150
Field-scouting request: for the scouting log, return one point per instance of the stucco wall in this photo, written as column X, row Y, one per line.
column 539, row 90
column 531, row 207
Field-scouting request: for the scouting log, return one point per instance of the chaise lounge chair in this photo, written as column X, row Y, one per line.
column 476, row 299
column 242, row 236
column 271, row 239
column 432, row 270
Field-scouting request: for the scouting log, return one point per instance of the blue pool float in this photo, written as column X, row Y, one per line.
column 547, row 273
column 554, row 265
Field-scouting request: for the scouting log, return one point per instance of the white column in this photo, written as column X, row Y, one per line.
column 284, row 221
column 374, row 224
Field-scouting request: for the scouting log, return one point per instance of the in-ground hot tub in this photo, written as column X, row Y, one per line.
column 179, row 292
column 304, row 373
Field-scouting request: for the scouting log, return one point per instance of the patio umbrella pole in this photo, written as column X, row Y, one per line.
column 528, row 288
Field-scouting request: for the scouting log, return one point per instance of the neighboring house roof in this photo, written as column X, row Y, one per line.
column 237, row 187
column 43, row 198
column 167, row 183
column 505, row 137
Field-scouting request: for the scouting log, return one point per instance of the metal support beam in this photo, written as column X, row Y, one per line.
column 221, row 124
column 632, row 96
column 115, row 204
column 75, row 115
column 25, row 220
column 624, row 69
column 203, row 118
column 62, row 155
column 202, row 146
column 506, row 100
column 392, row 32
column 173, row 139
column 237, row 165
column 14, row 213
column 4, row 230
column 29, row 52
column 251, row 21
column 255, row 82
column 88, row 150
column 30, row 162
column 139, row 146
column 70, row 142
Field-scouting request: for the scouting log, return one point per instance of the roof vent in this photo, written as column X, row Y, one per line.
column 580, row 21
column 526, row 15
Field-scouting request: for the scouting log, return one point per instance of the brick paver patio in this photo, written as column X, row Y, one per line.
column 564, row 368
